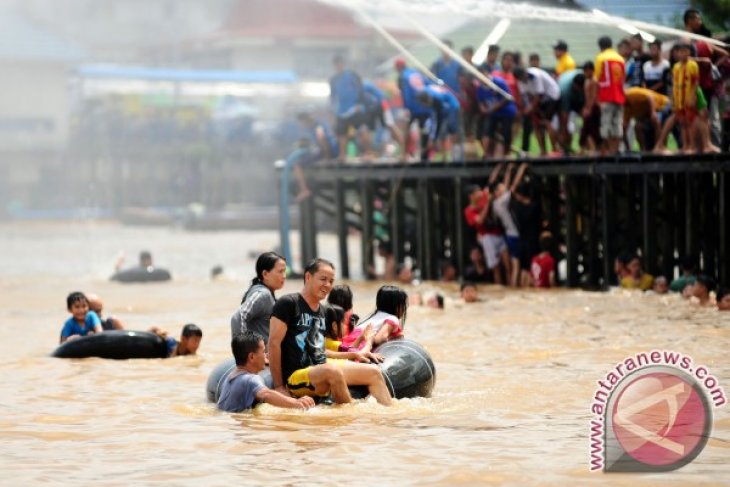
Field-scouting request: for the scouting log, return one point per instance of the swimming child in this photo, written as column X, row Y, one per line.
column 189, row 343
column 387, row 321
column 82, row 322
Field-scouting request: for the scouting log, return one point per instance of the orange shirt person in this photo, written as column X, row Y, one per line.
column 610, row 74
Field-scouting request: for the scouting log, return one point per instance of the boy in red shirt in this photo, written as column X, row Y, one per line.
column 479, row 215
column 543, row 264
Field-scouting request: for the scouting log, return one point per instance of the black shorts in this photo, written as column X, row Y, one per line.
column 107, row 324
column 373, row 116
column 345, row 123
column 548, row 108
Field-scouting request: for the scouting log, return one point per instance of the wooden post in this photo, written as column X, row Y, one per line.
column 604, row 232
column 722, row 214
column 571, row 240
column 342, row 230
column 366, row 214
column 458, row 240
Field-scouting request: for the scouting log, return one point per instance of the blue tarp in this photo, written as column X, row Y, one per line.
column 185, row 75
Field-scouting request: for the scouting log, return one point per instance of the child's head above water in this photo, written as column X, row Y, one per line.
column 334, row 316
column 392, row 300
column 341, row 295
column 77, row 305
column 190, row 338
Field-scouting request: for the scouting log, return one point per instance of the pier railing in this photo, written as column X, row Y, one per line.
column 663, row 207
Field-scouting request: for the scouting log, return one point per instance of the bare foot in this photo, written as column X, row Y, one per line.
column 303, row 195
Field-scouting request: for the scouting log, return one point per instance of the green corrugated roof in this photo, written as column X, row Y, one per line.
column 528, row 36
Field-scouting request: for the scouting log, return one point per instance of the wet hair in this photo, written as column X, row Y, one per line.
column 243, row 344
column 332, row 314
column 191, row 329
column 75, row 297
column 546, row 242
column 444, row 265
column 690, row 14
column 722, row 291
column 706, row 281
column 341, row 296
column 605, row 42
column 392, row 300
column 465, row 285
column 689, row 263
column 314, row 265
column 579, row 79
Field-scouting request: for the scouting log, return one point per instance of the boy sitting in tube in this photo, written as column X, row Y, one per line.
column 82, row 322
column 244, row 388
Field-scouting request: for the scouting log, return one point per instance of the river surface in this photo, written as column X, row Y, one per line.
column 516, row 374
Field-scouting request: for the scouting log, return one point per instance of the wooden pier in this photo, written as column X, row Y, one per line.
column 663, row 207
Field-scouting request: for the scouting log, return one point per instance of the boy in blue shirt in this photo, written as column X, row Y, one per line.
column 346, row 97
column 446, row 110
column 244, row 388
column 82, row 321
column 498, row 115
column 448, row 70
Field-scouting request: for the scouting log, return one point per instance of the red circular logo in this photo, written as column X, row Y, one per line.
column 660, row 419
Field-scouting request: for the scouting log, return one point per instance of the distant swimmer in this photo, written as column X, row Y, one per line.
column 144, row 272
column 97, row 306
column 82, row 322
column 190, row 339
column 244, row 388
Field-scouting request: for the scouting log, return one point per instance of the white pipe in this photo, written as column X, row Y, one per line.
column 395, row 43
column 454, row 55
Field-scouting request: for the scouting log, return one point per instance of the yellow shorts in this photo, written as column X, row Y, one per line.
column 299, row 384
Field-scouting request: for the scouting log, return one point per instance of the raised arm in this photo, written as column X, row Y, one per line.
column 277, row 331
column 518, row 177
column 495, row 172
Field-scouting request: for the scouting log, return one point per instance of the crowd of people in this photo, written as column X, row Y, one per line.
column 633, row 95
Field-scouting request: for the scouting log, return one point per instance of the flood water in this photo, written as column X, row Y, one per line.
column 516, row 375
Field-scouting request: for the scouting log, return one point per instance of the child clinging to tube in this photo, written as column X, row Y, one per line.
column 386, row 323
column 333, row 334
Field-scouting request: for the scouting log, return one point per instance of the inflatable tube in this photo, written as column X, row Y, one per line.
column 142, row 274
column 117, row 344
column 408, row 371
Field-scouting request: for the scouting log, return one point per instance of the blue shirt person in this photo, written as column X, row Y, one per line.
column 83, row 321
column 244, row 388
column 448, row 70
